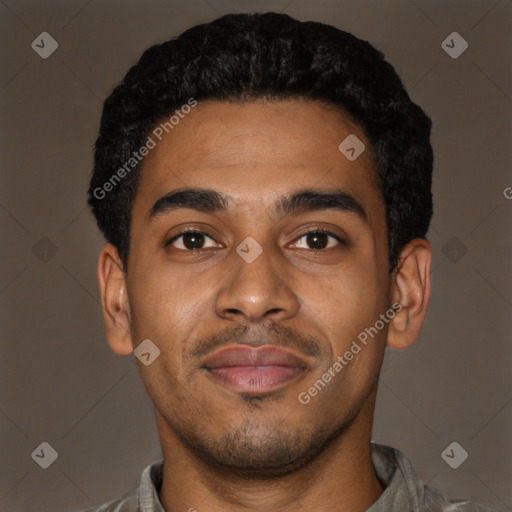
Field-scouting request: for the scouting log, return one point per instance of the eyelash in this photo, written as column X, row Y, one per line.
column 196, row 231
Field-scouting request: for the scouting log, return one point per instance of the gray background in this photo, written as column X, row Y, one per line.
column 61, row 383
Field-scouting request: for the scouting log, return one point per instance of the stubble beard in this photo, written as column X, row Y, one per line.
column 256, row 452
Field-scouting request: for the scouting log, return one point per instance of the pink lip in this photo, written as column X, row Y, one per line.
column 254, row 369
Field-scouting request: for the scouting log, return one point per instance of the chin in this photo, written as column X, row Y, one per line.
column 254, row 451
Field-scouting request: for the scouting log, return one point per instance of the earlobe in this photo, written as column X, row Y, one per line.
column 411, row 290
column 114, row 300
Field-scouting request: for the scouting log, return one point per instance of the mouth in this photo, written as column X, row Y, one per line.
column 247, row 369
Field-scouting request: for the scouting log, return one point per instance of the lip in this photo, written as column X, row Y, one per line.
column 250, row 369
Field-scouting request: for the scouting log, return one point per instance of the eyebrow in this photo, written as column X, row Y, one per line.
column 305, row 200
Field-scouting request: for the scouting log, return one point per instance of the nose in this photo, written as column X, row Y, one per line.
column 253, row 292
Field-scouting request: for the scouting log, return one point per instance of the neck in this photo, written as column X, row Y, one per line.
column 342, row 477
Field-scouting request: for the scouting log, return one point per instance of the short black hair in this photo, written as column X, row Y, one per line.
column 240, row 57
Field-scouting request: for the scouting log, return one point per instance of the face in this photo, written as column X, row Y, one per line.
column 255, row 287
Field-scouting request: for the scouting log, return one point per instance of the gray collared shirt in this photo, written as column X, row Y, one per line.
column 404, row 491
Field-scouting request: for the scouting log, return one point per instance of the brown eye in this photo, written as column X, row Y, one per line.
column 318, row 239
column 192, row 240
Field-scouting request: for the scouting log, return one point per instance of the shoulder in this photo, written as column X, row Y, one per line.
column 405, row 491
column 145, row 497
column 437, row 501
column 128, row 502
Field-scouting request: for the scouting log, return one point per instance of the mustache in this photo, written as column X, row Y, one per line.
column 269, row 333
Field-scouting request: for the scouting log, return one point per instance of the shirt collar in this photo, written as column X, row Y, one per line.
column 150, row 485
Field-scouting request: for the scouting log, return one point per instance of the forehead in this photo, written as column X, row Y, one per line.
column 256, row 151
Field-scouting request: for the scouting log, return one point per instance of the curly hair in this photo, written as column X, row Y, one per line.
column 240, row 57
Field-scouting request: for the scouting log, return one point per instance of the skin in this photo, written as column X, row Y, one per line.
column 225, row 450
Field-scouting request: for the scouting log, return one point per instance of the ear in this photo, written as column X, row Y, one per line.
column 410, row 288
column 114, row 300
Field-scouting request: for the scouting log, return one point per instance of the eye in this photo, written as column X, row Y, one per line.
column 192, row 240
column 318, row 238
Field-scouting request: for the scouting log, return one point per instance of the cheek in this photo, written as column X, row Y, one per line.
column 346, row 308
column 339, row 388
column 163, row 302
column 169, row 311
column 346, row 301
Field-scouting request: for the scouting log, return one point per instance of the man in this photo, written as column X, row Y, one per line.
column 264, row 186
